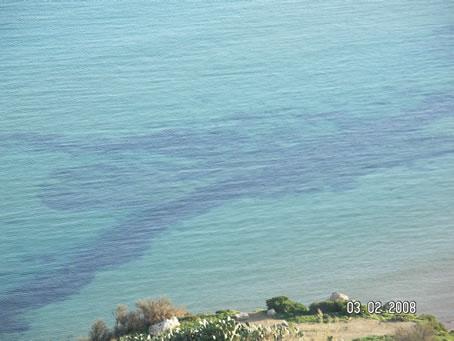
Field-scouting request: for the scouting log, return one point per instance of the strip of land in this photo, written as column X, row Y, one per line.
column 343, row 330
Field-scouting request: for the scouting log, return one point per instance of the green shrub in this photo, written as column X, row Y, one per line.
column 225, row 313
column 338, row 308
column 328, row 307
column 100, row 332
column 285, row 306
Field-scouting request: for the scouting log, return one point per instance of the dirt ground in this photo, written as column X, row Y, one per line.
column 356, row 328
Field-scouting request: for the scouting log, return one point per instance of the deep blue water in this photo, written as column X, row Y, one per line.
column 220, row 153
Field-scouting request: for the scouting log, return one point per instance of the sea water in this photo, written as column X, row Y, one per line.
column 221, row 153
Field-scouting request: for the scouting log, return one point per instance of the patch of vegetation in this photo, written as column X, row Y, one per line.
column 223, row 330
column 439, row 330
column 325, row 318
column 385, row 316
column 134, row 325
column 100, row 332
column 441, row 333
column 376, row 338
column 328, row 307
column 286, row 307
column 191, row 320
column 147, row 313
column 127, row 322
column 297, row 312
column 331, row 311
column 420, row 332
column 431, row 321
column 225, row 313
column 428, row 328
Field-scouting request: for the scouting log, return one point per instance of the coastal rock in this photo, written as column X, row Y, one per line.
column 338, row 296
column 164, row 326
column 271, row 312
column 241, row 316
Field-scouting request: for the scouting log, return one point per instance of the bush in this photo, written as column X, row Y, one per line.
column 335, row 307
column 225, row 313
column 100, row 332
column 147, row 313
column 285, row 306
column 420, row 332
column 155, row 311
column 128, row 321
column 329, row 307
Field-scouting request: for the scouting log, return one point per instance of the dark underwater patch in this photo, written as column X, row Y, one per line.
column 239, row 165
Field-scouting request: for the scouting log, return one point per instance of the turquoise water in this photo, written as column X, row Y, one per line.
column 221, row 153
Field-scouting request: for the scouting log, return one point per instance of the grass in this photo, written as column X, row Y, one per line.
column 192, row 320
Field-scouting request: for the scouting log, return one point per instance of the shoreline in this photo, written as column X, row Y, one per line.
column 336, row 318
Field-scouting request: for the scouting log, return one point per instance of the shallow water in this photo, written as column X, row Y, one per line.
column 222, row 153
